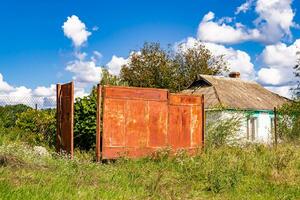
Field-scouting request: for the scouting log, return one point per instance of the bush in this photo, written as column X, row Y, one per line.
column 8, row 114
column 41, row 123
column 221, row 132
column 85, row 121
column 289, row 121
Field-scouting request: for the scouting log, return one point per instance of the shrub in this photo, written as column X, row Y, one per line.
column 42, row 123
column 289, row 121
column 222, row 132
column 85, row 121
column 8, row 114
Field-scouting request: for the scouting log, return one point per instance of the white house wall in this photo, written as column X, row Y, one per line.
column 263, row 123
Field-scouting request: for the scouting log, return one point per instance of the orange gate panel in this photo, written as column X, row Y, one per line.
column 138, row 121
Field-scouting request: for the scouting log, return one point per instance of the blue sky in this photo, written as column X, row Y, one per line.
column 35, row 51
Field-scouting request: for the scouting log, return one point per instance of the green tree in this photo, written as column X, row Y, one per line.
column 153, row 66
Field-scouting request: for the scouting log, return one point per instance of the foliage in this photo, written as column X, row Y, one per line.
column 155, row 67
column 41, row 123
column 255, row 172
column 85, row 121
column 289, row 121
column 8, row 114
column 297, row 74
column 222, row 131
column 110, row 79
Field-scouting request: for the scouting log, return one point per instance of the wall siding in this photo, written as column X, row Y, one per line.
column 264, row 123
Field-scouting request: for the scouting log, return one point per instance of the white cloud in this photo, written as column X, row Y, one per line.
column 273, row 24
column 4, row 86
column 42, row 96
column 278, row 62
column 115, row 64
column 43, row 91
column 85, row 72
column 244, row 7
column 76, row 30
column 284, row 91
column 275, row 19
column 220, row 32
column 237, row 60
column 270, row 76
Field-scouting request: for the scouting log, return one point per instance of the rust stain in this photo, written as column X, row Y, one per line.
column 65, row 118
column 138, row 121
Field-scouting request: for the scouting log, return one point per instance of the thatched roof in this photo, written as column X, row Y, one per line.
column 234, row 93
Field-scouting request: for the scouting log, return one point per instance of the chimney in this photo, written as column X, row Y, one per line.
column 234, row 74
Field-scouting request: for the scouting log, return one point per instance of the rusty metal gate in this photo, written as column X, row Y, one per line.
column 139, row 121
column 65, row 117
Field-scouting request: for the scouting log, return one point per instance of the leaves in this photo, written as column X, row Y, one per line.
column 155, row 67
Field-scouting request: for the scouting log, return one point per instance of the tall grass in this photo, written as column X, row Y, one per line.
column 252, row 172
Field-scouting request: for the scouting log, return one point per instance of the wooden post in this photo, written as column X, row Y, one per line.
column 275, row 126
column 98, row 129
column 58, row 114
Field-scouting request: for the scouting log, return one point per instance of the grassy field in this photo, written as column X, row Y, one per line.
column 254, row 172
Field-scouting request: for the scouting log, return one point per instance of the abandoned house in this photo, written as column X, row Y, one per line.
column 227, row 97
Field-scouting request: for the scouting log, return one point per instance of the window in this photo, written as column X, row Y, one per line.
column 252, row 128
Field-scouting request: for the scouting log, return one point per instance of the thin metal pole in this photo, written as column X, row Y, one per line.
column 203, row 120
column 275, row 126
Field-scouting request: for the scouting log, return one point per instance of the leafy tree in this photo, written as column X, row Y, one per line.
column 155, row 67
column 151, row 67
column 110, row 79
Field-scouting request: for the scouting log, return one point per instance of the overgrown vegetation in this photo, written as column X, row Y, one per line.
column 255, row 172
column 222, row 132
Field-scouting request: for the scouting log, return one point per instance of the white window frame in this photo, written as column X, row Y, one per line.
column 252, row 128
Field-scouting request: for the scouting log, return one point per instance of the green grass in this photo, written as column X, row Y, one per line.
column 254, row 172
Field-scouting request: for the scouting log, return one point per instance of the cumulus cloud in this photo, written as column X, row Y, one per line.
column 43, row 91
column 277, row 66
column 76, row 30
column 44, row 97
column 278, row 62
column 284, row 91
column 275, row 19
column 115, row 64
column 85, row 72
column 219, row 32
column 4, row 86
column 244, row 7
column 273, row 24
column 237, row 60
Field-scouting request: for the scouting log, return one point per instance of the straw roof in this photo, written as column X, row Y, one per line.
column 234, row 93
